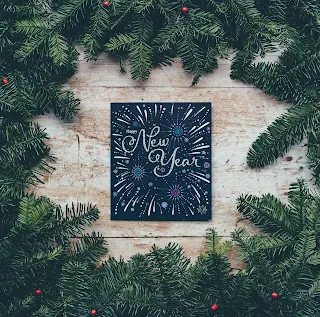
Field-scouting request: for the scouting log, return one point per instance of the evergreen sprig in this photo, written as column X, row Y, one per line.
column 314, row 153
column 293, row 78
column 35, row 255
column 285, row 261
column 24, row 157
column 286, row 131
column 286, row 225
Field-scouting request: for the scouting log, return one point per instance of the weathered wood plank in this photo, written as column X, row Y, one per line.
column 127, row 247
column 240, row 113
column 106, row 74
column 83, row 151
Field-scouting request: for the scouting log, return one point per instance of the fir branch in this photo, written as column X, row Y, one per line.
column 275, row 248
column 167, row 37
column 73, row 220
column 301, row 204
column 97, row 31
column 24, row 144
column 295, row 230
column 171, row 264
column 124, row 9
column 25, row 97
column 206, row 25
column 34, row 46
column 20, row 306
column 76, row 282
column 299, row 274
column 268, row 213
column 141, row 61
column 65, row 105
column 69, row 14
column 296, row 85
column 32, row 27
column 135, row 299
column 15, row 181
column 23, row 155
column 59, row 49
column 314, row 290
column 191, row 55
column 214, row 245
column 246, row 245
column 314, row 152
column 144, row 6
column 282, row 134
column 30, row 267
column 115, row 277
column 88, row 249
column 6, row 38
column 274, row 9
column 314, row 258
column 33, row 214
column 166, row 10
column 120, row 42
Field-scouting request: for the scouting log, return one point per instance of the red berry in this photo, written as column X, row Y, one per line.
column 106, row 4
column 5, row 81
column 93, row 312
column 214, row 307
column 38, row 292
column 274, row 295
column 184, row 9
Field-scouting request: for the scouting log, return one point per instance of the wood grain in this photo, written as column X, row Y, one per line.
column 127, row 247
column 82, row 148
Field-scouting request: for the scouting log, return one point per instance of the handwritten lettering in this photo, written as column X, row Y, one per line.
column 153, row 145
column 172, row 161
column 148, row 140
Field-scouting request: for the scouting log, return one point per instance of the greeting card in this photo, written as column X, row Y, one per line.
column 161, row 161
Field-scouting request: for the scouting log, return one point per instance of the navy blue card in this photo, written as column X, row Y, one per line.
column 161, row 161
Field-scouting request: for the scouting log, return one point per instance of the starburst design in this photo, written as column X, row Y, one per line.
column 138, row 172
column 202, row 210
column 175, row 192
column 177, row 131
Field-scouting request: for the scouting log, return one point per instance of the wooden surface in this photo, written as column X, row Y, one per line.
column 82, row 148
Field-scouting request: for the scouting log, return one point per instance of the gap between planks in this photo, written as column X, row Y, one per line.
column 70, row 86
column 157, row 237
